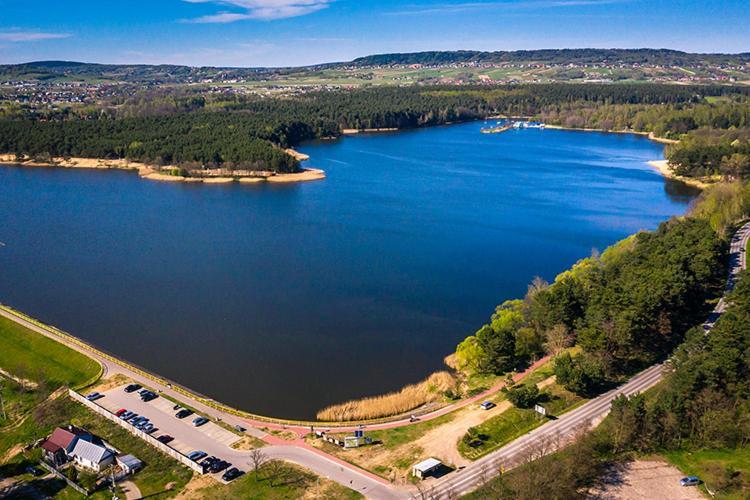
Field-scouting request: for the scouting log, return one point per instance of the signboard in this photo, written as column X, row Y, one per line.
column 351, row 442
column 540, row 410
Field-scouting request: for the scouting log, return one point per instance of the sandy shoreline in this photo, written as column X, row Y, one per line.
column 148, row 172
column 649, row 135
column 663, row 167
column 353, row 131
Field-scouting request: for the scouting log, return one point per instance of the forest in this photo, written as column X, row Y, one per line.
column 187, row 127
column 641, row 301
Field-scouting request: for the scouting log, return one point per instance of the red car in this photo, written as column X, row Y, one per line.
column 120, row 411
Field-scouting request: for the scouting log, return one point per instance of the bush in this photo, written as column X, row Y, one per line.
column 524, row 396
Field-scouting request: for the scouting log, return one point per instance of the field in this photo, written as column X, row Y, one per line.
column 29, row 355
column 275, row 481
column 514, row 422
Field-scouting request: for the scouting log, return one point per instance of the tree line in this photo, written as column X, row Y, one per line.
column 195, row 128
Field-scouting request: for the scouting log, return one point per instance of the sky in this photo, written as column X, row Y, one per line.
column 301, row 32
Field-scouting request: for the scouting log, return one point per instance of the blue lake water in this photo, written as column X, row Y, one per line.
column 282, row 299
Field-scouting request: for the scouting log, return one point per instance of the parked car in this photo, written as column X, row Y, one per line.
column 148, row 427
column 94, row 396
column 133, row 388
column 34, row 471
column 149, row 396
column 239, row 428
column 690, row 481
column 121, row 412
column 126, row 415
column 197, row 422
column 218, row 466
column 176, row 407
column 487, row 405
column 166, row 439
column 183, row 413
column 197, row 455
column 151, row 429
column 232, row 474
column 132, row 417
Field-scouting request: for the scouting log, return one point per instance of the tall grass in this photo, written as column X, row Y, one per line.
column 395, row 403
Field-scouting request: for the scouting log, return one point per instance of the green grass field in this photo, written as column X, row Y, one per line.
column 285, row 482
column 724, row 472
column 515, row 422
column 29, row 355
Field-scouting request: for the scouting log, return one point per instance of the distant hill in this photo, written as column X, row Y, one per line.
column 665, row 57
column 166, row 73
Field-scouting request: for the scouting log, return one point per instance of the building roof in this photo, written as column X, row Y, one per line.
column 51, row 447
column 428, row 465
column 129, row 461
column 62, row 438
column 90, row 451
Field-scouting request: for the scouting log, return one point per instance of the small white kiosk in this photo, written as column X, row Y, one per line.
column 424, row 468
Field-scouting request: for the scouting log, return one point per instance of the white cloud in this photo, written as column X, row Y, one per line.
column 502, row 5
column 259, row 9
column 30, row 36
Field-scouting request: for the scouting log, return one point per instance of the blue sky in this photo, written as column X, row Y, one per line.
column 298, row 32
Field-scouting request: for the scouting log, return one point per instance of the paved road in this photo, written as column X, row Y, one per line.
column 557, row 432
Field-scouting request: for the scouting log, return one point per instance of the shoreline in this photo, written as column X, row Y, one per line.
column 649, row 135
column 662, row 166
column 148, row 172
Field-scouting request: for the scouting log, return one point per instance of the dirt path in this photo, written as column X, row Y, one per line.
column 131, row 490
column 645, row 480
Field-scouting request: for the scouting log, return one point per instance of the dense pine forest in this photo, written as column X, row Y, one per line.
column 186, row 127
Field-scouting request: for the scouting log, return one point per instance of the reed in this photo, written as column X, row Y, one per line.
column 410, row 397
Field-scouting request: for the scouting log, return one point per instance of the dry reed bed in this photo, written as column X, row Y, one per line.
column 395, row 403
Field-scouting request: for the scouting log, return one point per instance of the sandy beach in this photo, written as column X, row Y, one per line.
column 663, row 167
column 352, row 131
column 148, row 172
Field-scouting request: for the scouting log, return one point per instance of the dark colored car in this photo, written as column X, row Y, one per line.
column 149, row 396
column 232, row 474
column 183, row 413
column 200, row 421
column 219, row 466
column 165, row 439
column 34, row 471
column 132, row 388
column 176, row 407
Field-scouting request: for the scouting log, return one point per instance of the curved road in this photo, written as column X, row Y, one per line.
column 552, row 434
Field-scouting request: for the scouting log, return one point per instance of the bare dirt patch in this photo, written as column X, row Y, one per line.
column 645, row 480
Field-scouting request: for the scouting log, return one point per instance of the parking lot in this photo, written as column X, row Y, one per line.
column 209, row 438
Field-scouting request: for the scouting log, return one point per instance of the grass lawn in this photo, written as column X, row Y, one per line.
column 515, row 422
column 30, row 355
column 283, row 482
column 715, row 467
column 159, row 470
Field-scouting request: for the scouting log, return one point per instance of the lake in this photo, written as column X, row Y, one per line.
column 282, row 299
